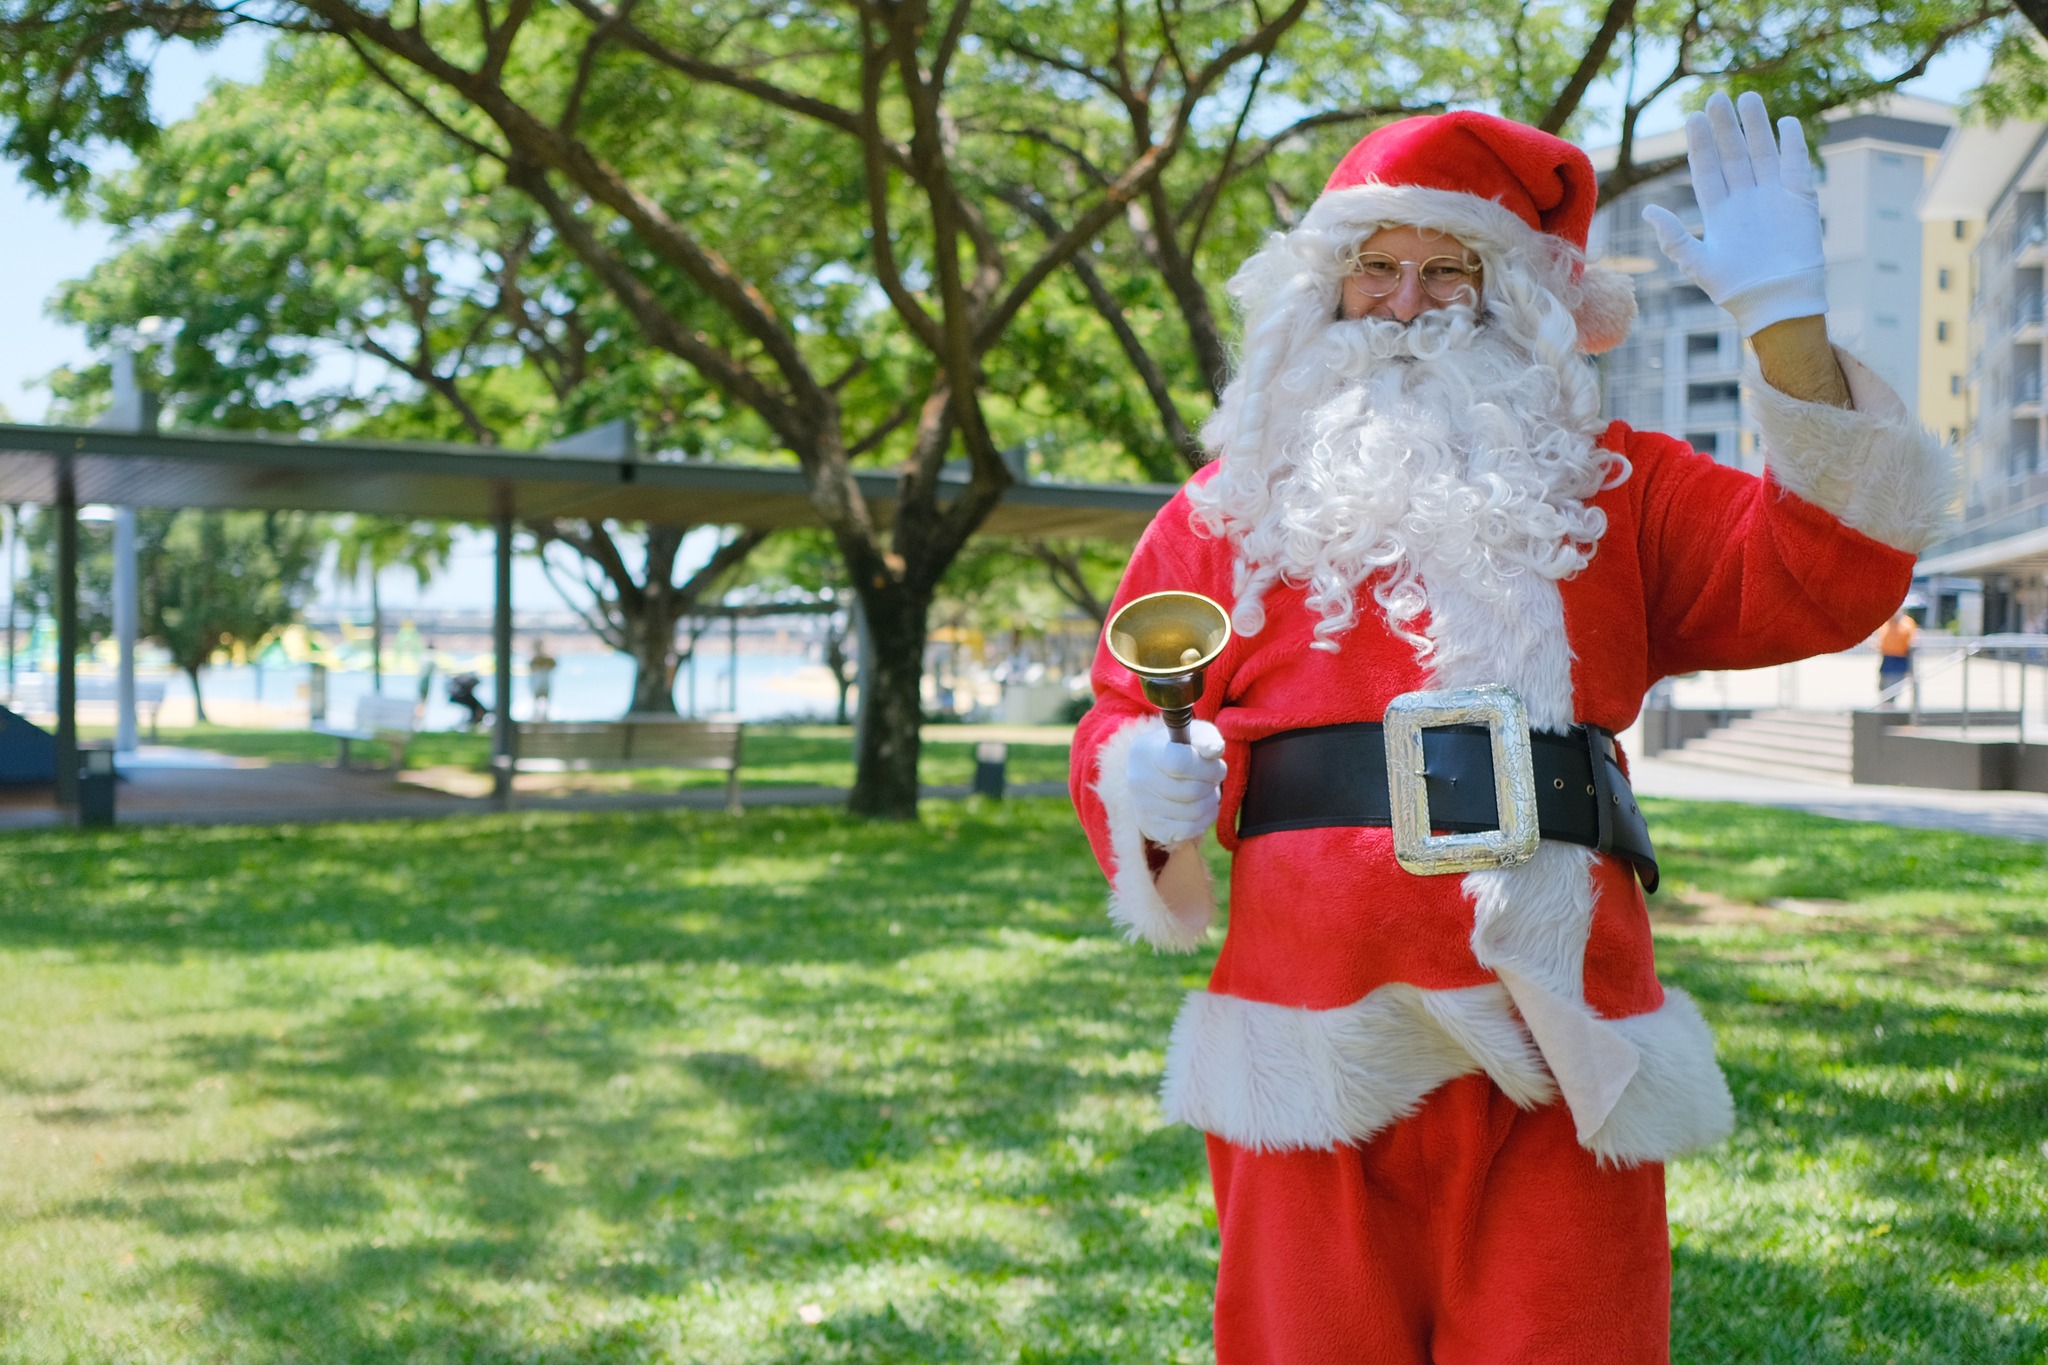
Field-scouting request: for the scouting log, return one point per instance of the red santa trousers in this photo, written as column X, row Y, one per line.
column 1471, row 1233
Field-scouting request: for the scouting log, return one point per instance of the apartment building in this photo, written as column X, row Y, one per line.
column 1991, row 191
column 1946, row 242
column 1680, row 371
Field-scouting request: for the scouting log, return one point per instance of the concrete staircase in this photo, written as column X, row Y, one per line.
column 1790, row 746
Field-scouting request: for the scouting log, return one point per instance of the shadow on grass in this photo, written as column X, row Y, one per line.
column 601, row 890
column 1763, row 1310
column 611, row 1087
column 558, row 1076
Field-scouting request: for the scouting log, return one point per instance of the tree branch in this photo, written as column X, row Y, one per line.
column 1620, row 13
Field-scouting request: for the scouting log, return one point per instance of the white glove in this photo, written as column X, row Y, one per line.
column 1176, row 788
column 1761, row 259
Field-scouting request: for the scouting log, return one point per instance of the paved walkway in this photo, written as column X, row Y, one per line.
column 2016, row 815
column 176, row 789
column 304, row 793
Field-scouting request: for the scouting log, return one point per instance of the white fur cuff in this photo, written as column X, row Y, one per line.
column 1171, row 910
column 1871, row 465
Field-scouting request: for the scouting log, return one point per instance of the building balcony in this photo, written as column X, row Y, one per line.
column 2026, row 395
column 2030, row 242
column 1712, row 414
column 2026, row 319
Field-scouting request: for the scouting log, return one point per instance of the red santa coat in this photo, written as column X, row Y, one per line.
column 1347, row 988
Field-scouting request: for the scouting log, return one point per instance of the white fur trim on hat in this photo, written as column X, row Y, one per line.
column 1602, row 301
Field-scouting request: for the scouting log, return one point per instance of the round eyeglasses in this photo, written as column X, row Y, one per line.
column 1446, row 279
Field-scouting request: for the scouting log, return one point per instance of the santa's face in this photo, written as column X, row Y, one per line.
column 1401, row 444
column 1404, row 272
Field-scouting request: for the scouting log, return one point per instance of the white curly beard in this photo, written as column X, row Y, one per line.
column 1430, row 451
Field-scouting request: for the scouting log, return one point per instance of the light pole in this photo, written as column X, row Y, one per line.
column 134, row 409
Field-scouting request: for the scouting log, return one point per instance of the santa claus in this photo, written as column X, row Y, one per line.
column 1438, row 1100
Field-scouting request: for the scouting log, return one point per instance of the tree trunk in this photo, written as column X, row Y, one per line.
column 198, row 702
column 835, row 659
column 891, row 703
column 652, row 635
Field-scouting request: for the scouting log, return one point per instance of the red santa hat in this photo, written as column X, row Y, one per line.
column 1491, row 183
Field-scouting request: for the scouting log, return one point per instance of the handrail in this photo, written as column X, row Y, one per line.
column 1964, row 648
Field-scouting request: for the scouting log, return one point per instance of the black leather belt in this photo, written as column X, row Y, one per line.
column 1337, row 775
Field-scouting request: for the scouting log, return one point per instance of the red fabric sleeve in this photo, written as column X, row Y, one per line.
column 1160, row 563
column 1739, row 573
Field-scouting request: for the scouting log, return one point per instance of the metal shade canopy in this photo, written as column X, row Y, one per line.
column 592, row 475
column 467, row 483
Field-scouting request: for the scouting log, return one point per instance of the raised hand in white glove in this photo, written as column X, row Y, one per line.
column 1176, row 788
column 1761, row 259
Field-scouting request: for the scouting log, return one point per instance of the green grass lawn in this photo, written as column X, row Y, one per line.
column 669, row 1086
column 772, row 756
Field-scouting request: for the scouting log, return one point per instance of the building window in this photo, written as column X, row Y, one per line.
column 1888, row 267
column 1890, row 159
column 1941, row 331
column 1955, row 386
column 1703, row 343
column 1727, row 392
column 1705, row 442
column 1887, row 320
column 1962, row 228
column 1890, row 215
column 1955, row 436
column 1941, row 278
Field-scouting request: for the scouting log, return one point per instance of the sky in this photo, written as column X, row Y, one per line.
column 45, row 249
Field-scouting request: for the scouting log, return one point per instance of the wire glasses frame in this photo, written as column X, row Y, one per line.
column 1446, row 279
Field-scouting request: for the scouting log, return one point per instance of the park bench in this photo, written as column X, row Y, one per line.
column 391, row 719
column 637, row 741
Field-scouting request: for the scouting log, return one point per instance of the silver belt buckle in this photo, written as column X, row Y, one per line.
column 1514, row 780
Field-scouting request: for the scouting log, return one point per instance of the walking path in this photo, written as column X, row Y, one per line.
column 194, row 787
column 228, row 793
column 2015, row 815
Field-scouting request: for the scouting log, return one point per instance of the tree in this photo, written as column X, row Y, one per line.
column 658, row 142
column 1559, row 67
column 208, row 581
column 366, row 546
column 839, row 218
column 805, row 564
column 212, row 580
column 637, row 613
column 326, row 224
column 38, row 587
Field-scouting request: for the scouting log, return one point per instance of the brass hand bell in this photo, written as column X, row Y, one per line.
column 1169, row 639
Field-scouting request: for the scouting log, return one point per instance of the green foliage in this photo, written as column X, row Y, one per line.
column 37, row 589
column 369, row 545
column 602, row 1088
column 882, row 233
column 2016, row 86
column 208, row 581
column 211, row 580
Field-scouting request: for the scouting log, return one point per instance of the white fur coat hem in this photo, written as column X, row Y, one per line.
column 1271, row 1077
